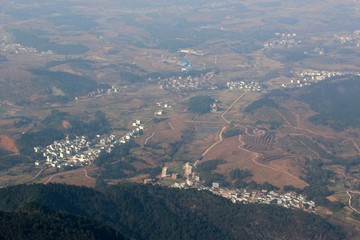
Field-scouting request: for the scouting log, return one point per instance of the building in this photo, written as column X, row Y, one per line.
column 187, row 170
column 164, row 172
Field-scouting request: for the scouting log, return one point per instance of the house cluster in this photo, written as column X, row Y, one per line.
column 80, row 151
column 251, row 86
column 8, row 46
column 308, row 77
column 352, row 39
column 192, row 51
column 163, row 107
column 101, row 91
column 138, row 128
column 215, row 106
column 283, row 40
column 189, row 83
column 69, row 152
column 288, row 200
column 16, row 48
column 318, row 51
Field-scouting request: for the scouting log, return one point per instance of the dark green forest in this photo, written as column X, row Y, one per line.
column 71, row 84
column 44, row 225
column 150, row 212
column 337, row 103
column 39, row 40
column 200, row 104
column 263, row 102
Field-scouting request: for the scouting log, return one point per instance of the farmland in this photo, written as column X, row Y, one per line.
column 267, row 87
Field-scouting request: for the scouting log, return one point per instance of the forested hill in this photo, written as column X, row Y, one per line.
column 151, row 212
column 42, row 225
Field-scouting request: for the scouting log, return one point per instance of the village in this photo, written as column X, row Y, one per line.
column 251, row 86
column 289, row 200
column 284, row 40
column 16, row 48
column 80, row 151
column 10, row 47
column 102, row 91
column 189, row 83
column 308, row 77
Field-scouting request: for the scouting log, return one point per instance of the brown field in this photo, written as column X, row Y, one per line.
column 239, row 158
column 8, row 144
column 267, row 156
column 78, row 177
column 332, row 198
column 170, row 130
column 6, row 123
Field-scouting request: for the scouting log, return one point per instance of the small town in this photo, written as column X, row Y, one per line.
column 284, row 40
column 290, row 200
column 80, row 151
column 189, row 83
column 251, row 86
column 287, row 200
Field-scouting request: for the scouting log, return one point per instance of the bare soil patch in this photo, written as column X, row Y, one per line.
column 239, row 158
column 79, row 177
column 5, row 123
column 8, row 144
column 65, row 124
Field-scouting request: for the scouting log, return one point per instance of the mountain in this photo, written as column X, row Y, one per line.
column 153, row 212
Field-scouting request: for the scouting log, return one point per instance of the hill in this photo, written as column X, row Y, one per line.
column 337, row 103
column 153, row 212
column 48, row 225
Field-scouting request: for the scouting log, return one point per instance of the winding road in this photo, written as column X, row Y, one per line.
column 350, row 199
column 223, row 129
column 38, row 174
column 64, row 173
column 148, row 138
column 52, row 176
column 302, row 129
column 256, row 156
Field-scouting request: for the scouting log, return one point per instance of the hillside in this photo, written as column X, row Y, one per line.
column 337, row 103
column 151, row 212
column 48, row 225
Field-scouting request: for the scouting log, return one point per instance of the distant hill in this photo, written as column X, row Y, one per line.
column 336, row 102
column 151, row 212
